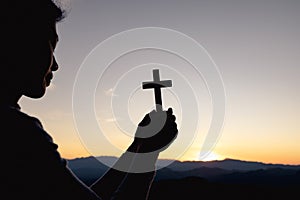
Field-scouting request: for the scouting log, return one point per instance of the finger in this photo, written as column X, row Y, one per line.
column 145, row 121
column 173, row 118
column 170, row 111
column 174, row 128
column 152, row 111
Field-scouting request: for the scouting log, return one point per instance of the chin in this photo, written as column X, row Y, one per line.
column 36, row 93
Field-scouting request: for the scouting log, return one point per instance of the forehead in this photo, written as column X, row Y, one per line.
column 46, row 31
column 52, row 36
column 52, row 31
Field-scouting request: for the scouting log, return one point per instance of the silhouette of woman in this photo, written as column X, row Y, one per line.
column 32, row 167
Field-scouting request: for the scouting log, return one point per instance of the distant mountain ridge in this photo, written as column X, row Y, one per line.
column 89, row 169
column 228, row 164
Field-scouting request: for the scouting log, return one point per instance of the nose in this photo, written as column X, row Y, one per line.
column 54, row 66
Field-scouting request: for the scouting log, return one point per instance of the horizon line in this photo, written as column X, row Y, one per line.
column 217, row 160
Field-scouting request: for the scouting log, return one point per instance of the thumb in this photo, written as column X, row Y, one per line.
column 145, row 121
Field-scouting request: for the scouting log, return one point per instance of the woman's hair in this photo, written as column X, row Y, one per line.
column 25, row 20
column 32, row 10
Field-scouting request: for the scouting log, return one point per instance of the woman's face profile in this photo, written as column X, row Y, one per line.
column 40, row 62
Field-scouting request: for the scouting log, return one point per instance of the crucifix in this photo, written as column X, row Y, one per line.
column 157, row 84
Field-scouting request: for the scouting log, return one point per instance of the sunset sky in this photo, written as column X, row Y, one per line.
column 255, row 45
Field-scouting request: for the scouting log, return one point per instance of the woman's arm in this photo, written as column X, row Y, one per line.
column 132, row 175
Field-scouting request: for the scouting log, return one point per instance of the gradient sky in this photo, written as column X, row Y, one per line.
column 255, row 45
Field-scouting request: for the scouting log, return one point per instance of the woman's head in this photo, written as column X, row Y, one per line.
column 29, row 41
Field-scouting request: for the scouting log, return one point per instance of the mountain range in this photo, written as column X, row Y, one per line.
column 220, row 179
column 89, row 169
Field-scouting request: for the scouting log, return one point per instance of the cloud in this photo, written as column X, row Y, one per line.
column 108, row 120
column 57, row 115
column 52, row 86
column 110, row 92
column 111, row 120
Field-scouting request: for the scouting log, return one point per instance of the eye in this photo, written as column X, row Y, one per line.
column 53, row 43
column 53, row 39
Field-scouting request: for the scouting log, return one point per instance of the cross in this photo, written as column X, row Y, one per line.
column 157, row 84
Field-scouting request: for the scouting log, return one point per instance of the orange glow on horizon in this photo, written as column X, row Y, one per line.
column 78, row 152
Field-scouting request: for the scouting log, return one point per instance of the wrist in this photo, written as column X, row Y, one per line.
column 142, row 161
column 134, row 147
column 145, row 162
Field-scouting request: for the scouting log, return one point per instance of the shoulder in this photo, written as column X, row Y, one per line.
column 12, row 116
column 21, row 124
column 27, row 135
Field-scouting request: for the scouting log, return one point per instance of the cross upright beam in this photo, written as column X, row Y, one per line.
column 157, row 84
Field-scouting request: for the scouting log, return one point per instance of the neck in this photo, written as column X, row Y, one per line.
column 9, row 98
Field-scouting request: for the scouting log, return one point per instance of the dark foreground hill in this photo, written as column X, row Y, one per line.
column 199, row 188
column 226, row 179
